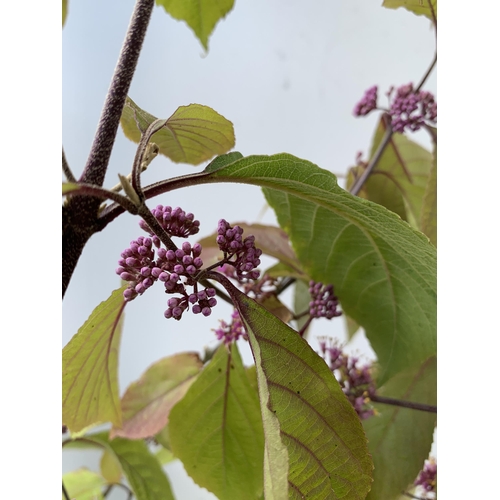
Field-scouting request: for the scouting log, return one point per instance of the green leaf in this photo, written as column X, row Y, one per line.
column 400, row 438
column 141, row 468
column 216, row 430
column 83, row 484
column 200, row 15
column 165, row 456
column 90, row 368
column 304, row 410
column 383, row 271
column 146, row 403
column 223, row 160
column 64, row 11
column 193, row 134
column 428, row 216
column 418, row 7
column 68, row 187
column 110, row 466
column 399, row 180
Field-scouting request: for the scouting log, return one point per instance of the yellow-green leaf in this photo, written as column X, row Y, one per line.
column 314, row 439
column 216, row 430
column 111, row 469
column 90, row 368
column 64, row 11
column 68, row 187
column 147, row 402
column 400, row 439
column 83, row 484
column 418, row 7
column 193, row 134
column 200, row 15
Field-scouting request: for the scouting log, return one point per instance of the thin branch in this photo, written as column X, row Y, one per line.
column 65, row 167
column 427, row 73
column 404, row 404
column 104, row 139
column 65, row 493
column 121, row 485
column 434, row 17
column 356, row 188
column 99, row 192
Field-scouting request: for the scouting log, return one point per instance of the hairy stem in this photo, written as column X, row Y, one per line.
column 404, row 404
column 427, row 73
column 80, row 214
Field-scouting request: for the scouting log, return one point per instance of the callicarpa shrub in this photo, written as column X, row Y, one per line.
column 296, row 423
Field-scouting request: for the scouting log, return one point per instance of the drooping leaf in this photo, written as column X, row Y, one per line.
column 83, row 484
column 399, row 180
column 90, row 392
column 110, row 466
column 141, row 468
column 64, row 11
column 428, row 216
column 314, row 439
column 418, row 7
column 400, row 438
column 201, row 15
column 216, row 430
column 68, row 187
column 193, row 134
column 146, row 404
column 383, row 271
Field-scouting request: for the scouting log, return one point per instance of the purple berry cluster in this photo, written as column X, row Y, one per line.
column 411, row 109
column 175, row 269
column 324, row 303
column 175, row 222
column 368, row 103
column 240, row 253
column 427, row 479
column 231, row 332
column 356, row 381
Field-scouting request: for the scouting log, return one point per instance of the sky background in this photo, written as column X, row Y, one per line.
column 286, row 73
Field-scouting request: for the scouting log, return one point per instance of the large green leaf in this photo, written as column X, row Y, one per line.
column 383, row 271
column 146, row 403
column 216, row 430
column 193, row 134
column 428, row 215
column 83, row 484
column 399, row 180
column 200, row 15
column 400, row 438
column 314, row 439
column 142, row 469
column 90, row 368
column 418, row 7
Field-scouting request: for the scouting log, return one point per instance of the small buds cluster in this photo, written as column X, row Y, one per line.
column 136, row 266
column 411, row 109
column 368, row 103
column 231, row 332
column 356, row 381
column 427, row 479
column 324, row 303
column 175, row 222
column 176, row 269
column 246, row 256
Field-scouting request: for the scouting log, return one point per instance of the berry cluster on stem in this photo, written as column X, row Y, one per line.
column 427, row 479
